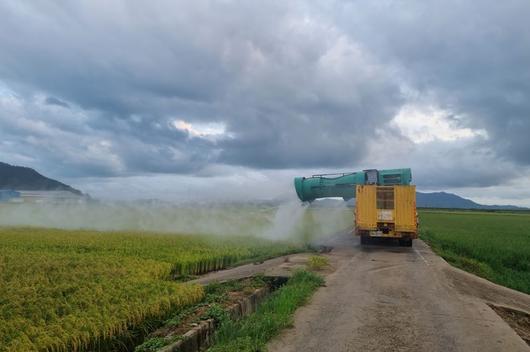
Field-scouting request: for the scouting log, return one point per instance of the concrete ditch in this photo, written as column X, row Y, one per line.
column 200, row 337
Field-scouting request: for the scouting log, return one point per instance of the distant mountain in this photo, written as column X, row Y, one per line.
column 27, row 179
column 450, row 200
column 426, row 200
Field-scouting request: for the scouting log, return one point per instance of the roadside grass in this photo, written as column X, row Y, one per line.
column 495, row 246
column 252, row 333
column 317, row 262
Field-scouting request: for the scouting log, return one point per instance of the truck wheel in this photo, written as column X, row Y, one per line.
column 405, row 242
column 365, row 239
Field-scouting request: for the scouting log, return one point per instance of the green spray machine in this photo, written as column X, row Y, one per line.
column 385, row 201
column 343, row 185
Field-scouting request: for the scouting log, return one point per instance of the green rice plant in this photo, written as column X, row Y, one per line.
column 493, row 245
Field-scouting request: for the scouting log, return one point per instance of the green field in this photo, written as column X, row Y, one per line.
column 493, row 245
column 63, row 290
column 71, row 290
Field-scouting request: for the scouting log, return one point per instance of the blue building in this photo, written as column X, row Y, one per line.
column 8, row 194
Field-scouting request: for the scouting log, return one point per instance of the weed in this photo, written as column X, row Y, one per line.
column 317, row 262
column 156, row 343
column 217, row 313
column 153, row 344
column 251, row 333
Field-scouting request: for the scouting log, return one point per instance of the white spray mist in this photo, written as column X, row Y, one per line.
column 287, row 220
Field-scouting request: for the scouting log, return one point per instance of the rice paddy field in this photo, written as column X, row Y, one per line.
column 99, row 290
column 71, row 290
column 493, row 245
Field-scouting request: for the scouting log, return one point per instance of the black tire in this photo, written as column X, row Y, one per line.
column 405, row 242
column 365, row 240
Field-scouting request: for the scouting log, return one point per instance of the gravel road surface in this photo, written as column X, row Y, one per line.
column 382, row 298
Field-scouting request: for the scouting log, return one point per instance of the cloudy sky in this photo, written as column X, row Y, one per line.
column 231, row 99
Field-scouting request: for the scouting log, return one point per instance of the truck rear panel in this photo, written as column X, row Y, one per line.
column 405, row 209
column 386, row 211
column 365, row 210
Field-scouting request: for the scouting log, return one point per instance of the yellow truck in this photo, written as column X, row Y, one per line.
column 386, row 212
column 385, row 200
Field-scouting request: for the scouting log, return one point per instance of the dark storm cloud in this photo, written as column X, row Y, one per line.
column 98, row 88
column 291, row 90
column 473, row 58
column 55, row 101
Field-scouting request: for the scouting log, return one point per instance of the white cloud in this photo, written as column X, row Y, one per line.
column 423, row 124
column 210, row 130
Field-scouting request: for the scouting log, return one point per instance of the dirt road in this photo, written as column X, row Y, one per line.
column 401, row 299
column 280, row 266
